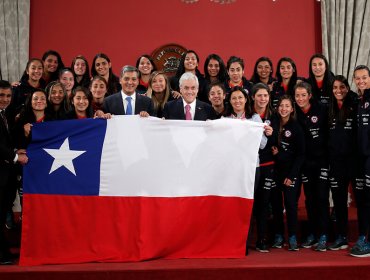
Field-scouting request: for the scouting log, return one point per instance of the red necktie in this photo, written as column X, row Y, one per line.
column 187, row 112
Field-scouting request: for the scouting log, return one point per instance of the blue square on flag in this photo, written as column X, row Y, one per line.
column 64, row 157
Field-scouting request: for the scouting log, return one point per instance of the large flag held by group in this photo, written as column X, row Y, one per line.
column 131, row 189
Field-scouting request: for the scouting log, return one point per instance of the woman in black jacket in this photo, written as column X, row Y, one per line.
column 102, row 66
column 320, row 78
column 189, row 62
column 30, row 82
column 286, row 79
column 235, row 70
column 289, row 156
column 312, row 116
column 342, row 150
column 361, row 77
column 265, row 181
column 59, row 103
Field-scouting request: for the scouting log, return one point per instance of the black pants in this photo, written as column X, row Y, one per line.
column 340, row 175
column 7, row 195
column 316, row 190
column 264, row 185
column 362, row 196
column 287, row 196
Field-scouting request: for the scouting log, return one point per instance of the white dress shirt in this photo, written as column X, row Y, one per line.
column 125, row 102
column 192, row 108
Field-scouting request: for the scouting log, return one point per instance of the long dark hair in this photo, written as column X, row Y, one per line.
column 27, row 115
column 87, row 93
column 54, row 75
column 25, row 76
column 340, row 114
column 248, row 105
column 328, row 76
column 288, row 97
column 181, row 69
column 255, row 77
column 86, row 77
column 112, row 79
column 293, row 79
column 151, row 62
column 292, row 115
column 222, row 74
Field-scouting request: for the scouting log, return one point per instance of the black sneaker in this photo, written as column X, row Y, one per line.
column 278, row 241
column 339, row 244
column 361, row 250
column 262, row 247
column 310, row 241
column 293, row 246
column 321, row 245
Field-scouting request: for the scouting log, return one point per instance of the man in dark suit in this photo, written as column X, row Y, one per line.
column 188, row 107
column 8, row 157
column 127, row 101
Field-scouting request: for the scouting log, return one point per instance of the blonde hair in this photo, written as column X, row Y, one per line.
column 150, row 94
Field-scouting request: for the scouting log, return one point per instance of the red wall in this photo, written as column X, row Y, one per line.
column 124, row 29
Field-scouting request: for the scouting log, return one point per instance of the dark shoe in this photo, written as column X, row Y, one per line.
column 340, row 243
column 293, row 246
column 278, row 241
column 5, row 260
column 310, row 241
column 10, row 224
column 262, row 247
column 361, row 250
column 321, row 245
column 361, row 241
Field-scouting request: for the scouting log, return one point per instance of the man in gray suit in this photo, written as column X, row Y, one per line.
column 127, row 101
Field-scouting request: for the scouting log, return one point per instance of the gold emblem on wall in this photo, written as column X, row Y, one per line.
column 167, row 58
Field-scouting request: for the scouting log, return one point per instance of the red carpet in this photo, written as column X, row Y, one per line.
column 279, row 264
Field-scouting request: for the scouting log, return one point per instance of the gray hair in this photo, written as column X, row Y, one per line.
column 129, row 68
column 188, row 76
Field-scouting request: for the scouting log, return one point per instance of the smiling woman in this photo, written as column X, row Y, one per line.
column 81, row 71
column 320, row 78
column 189, row 63
column 53, row 63
column 67, row 79
column 59, row 103
column 34, row 111
column 30, row 81
column 146, row 66
column 235, row 69
column 81, row 104
column 102, row 66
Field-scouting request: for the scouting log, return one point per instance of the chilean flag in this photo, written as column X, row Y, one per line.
column 132, row 189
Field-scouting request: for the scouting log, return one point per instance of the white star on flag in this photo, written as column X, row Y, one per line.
column 63, row 157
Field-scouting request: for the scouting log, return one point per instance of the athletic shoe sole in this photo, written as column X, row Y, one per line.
column 338, row 248
column 360, row 256
column 262, row 250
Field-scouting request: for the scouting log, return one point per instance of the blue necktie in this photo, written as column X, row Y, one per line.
column 129, row 106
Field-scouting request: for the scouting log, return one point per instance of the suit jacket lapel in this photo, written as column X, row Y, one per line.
column 138, row 104
column 119, row 104
column 198, row 111
column 180, row 108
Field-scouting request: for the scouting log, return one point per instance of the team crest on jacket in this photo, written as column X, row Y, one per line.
column 366, row 104
column 314, row 119
column 287, row 133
